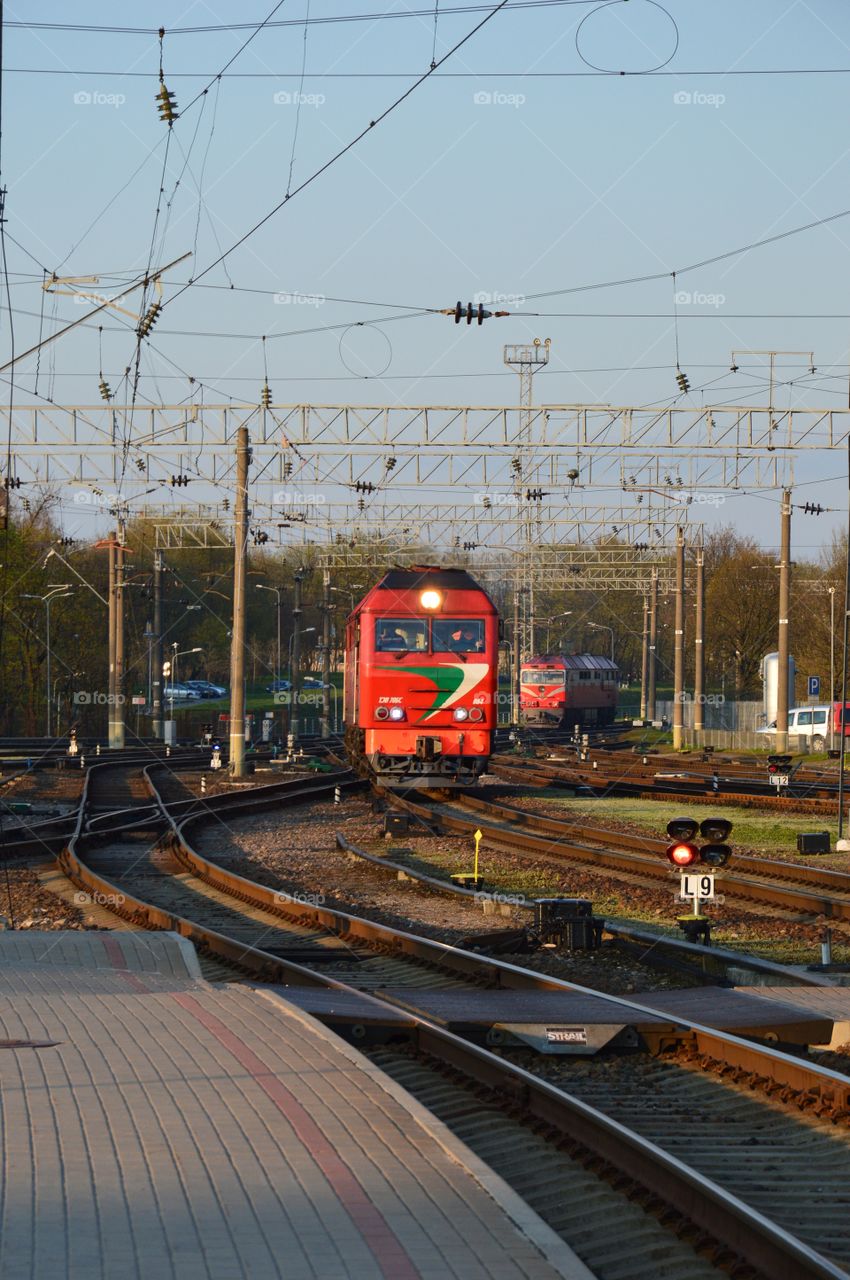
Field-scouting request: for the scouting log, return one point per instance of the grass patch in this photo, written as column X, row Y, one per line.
column 761, row 830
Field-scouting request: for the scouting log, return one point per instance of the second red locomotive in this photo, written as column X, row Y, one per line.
column 561, row 691
column 421, row 665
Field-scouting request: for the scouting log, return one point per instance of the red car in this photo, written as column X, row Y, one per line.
column 560, row 691
column 421, row 665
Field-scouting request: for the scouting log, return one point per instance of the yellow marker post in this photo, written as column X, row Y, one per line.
column 466, row 878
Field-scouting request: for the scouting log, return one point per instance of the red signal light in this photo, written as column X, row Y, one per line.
column 682, row 854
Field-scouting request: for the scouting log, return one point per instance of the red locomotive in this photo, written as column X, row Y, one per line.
column 559, row 691
column 421, row 665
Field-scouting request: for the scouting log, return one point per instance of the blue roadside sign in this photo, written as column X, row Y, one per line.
column 814, row 686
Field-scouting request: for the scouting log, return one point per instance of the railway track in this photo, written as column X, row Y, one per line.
column 805, row 795
column 543, row 1136
column 806, row 892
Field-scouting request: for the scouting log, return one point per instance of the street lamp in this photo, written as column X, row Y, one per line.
column 175, row 654
column 295, row 683
column 349, row 591
column 277, row 590
column 554, row 618
column 600, row 626
column 57, row 591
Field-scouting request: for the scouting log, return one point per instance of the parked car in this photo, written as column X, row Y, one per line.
column 205, row 689
column 310, row 682
column 811, row 723
column 180, row 693
column 278, row 686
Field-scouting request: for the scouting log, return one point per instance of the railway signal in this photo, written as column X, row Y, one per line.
column 682, row 852
column 779, row 771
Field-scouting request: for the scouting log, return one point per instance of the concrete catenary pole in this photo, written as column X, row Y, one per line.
column 118, row 709
column 156, row 675
column 113, row 613
column 517, row 662
column 653, row 644
column 295, row 691
column 699, row 647
column 679, row 645
column 326, row 653
column 237, row 643
column 644, row 658
column 782, row 690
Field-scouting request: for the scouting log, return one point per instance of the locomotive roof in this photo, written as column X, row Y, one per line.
column 427, row 576
column 573, row 662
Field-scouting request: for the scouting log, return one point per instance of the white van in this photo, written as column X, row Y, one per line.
column 810, row 723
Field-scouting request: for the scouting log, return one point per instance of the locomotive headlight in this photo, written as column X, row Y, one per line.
column 430, row 599
column 461, row 713
column 396, row 713
column 476, row 714
column 382, row 713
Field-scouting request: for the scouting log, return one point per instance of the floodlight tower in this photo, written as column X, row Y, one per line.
column 525, row 359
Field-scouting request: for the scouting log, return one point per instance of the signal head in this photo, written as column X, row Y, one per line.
column 682, row 854
column 715, row 829
column 682, row 828
column 716, row 855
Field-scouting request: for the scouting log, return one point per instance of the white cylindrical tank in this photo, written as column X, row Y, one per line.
column 770, row 681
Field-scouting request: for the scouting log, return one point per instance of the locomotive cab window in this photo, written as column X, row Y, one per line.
column 397, row 635
column 457, row 635
column 537, row 675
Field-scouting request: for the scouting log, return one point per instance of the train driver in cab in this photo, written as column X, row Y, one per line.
column 466, row 639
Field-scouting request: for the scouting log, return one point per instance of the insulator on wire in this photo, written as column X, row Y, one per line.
column 179, row 481
column 682, row 379
column 149, row 319
column 266, row 396
column 166, row 105
column 364, row 486
column 104, row 389
column 813, row 509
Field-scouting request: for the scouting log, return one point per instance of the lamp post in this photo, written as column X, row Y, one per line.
column 295, row 679
column 600, row 626
column 59, row 591
column 277, row 590
column 349, row 591
column 175, row 654
column 554, row 618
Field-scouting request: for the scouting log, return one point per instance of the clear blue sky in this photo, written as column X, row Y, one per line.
column 514, row 170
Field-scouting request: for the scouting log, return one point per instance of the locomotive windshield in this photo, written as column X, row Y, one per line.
column 537, row 675
column 393, row 635
column 457, row 635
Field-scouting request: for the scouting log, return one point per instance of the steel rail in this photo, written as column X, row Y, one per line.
column 761, row 1242
column 553, row 847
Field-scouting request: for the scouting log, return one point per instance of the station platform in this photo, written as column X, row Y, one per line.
column 159, row 1127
